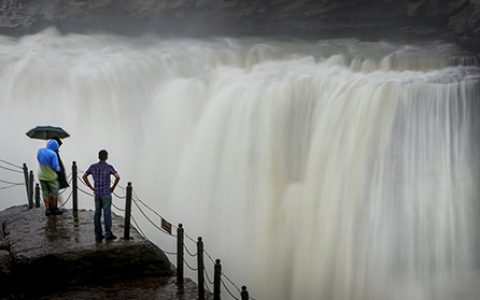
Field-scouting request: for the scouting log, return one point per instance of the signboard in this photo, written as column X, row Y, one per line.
column 166, row 226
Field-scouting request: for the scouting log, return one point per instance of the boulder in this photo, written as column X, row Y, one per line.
column 64, row 248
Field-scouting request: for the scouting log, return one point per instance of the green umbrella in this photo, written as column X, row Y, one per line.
column 47, row 132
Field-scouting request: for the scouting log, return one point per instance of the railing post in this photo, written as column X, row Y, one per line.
column 128, row 210
column 200, row 268
column 244, row 293
column 217, row 280
column 180, row 254
column 74, row 187
column 37, row 195
column 25, row 175
column 30, row 190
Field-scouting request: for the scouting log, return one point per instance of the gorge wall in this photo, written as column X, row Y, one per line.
column 453, row 20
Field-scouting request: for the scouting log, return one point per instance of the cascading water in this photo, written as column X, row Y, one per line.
column 331, row 170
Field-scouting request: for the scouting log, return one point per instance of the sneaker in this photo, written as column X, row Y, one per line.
column 48, row 212
column 111, row 238
column 57, row 211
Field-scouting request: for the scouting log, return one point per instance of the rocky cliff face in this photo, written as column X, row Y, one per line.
column 449, row 19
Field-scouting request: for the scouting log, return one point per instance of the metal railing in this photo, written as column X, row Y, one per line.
column 132, row 201
column 203, row 277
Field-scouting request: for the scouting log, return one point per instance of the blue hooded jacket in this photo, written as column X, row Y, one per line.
column 47, row 158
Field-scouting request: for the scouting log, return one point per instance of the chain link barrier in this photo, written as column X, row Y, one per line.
column 190, row 267
column 136, row 201
column 11, row 170
column 11, row 164
column 230, row 293
column 66, row 201
column 10, row 186
column 188, row 251
column 12, row 183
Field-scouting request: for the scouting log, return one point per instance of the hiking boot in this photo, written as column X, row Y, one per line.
column 99, row 239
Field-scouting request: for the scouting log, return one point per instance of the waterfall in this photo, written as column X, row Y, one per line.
column 322, row 170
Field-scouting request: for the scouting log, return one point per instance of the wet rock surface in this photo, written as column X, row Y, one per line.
column 146, row 288
column 457, row 20
column 5, row 262
column 59, row 259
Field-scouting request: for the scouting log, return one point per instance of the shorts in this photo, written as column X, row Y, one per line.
column 49, row 188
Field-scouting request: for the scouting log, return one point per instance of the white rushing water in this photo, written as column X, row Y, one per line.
column 329, row 170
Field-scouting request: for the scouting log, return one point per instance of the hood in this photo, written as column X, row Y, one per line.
column 52, row 145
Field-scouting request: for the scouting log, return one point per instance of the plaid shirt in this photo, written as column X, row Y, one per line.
column 101, row 172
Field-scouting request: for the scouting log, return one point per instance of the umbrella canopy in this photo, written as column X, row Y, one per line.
column 47, row 132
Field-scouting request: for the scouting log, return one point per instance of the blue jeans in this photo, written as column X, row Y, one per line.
column 105, row 203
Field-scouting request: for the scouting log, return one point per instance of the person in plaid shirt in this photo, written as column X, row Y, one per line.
column 101, row 173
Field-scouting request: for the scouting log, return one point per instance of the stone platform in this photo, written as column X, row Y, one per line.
column 57, row 257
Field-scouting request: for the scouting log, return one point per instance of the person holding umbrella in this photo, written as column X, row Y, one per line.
column 51, row 169
column 49, row 166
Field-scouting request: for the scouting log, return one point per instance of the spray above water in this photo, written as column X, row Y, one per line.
column 332, row 170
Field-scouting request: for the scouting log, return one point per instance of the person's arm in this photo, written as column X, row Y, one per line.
column 55, row 165
column 87, row 182
column 117, row 179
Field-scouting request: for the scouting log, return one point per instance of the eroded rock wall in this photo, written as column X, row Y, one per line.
column 449, row 19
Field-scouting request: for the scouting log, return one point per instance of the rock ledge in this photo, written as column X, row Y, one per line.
column 58, row 257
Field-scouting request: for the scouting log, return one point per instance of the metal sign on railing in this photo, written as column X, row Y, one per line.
column 166, row 225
